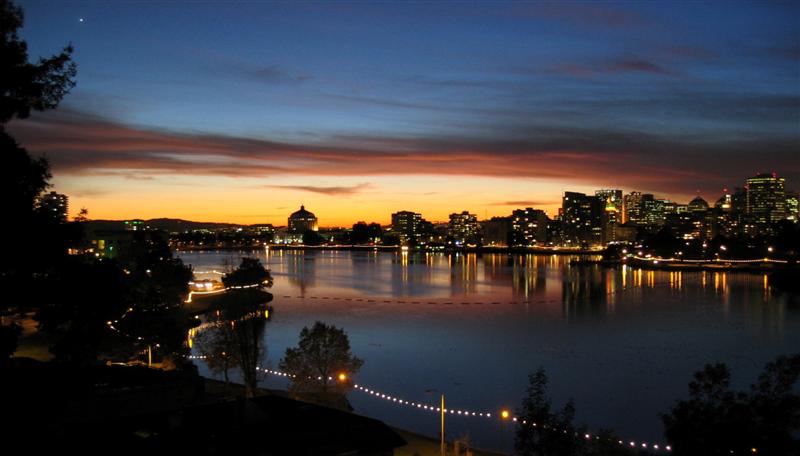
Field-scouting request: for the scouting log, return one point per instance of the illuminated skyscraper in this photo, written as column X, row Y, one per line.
column 612, row 214
column 529, row 227
column 408, row 226
column 653, row 213
column 582, row 218
column 463, row 228
column 54, row 205
column 792, row 206
column 766, row 200
column 610, row 197
column 634, row 207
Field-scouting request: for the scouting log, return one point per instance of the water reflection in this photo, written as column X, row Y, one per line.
column 463, row 273
column 638, row 334
column 233, row 336
column 585, row 291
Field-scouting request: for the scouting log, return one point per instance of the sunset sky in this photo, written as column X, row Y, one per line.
column 242, row 112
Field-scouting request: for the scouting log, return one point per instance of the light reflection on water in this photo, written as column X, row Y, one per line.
column 622, row 342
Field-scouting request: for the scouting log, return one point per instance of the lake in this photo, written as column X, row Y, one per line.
column 622, row 343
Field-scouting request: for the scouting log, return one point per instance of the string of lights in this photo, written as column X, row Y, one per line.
column 195, row 331
column 221, row 290
column 656, row 260
column 504, row 414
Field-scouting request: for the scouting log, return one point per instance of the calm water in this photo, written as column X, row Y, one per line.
column 622, row 343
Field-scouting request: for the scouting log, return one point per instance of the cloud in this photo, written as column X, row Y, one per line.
column 274, row 74
column 615, row 66
column 81, row 144
column 330, row 191
column 636, row 65
column 223, row 65
column 524, row 203
column 90, row 192
column 586, row 14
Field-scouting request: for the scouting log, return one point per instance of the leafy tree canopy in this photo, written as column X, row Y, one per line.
column 27, row 86
column 321, row 355
column 716, row 420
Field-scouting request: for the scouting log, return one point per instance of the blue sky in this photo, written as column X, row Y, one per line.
column 668, row 97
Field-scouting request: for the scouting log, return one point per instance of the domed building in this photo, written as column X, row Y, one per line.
column 302, row 221
column 698, row 205
column 724, row 203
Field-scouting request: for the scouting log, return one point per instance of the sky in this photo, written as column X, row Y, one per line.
column 242, row 111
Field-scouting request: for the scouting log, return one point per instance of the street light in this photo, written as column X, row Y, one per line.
column 441, row 411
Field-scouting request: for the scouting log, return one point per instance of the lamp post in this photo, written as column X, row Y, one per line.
column 442, row 447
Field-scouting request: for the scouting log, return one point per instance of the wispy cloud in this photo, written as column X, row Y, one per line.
column 274, row 74
column 585, row 14
column 330, row 191
column 525, row 203
column 616, row 66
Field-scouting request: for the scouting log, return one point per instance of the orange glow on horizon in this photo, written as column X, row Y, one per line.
column 249, row 201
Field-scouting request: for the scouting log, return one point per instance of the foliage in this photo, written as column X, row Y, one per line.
column 554, row 433
column 365, row 234
column 249, row 272
column 312, row 238
column 27, row 86
column 83, row 296
column 717, row 420
column 321, row 355
column 24, row 87
column 237, row 339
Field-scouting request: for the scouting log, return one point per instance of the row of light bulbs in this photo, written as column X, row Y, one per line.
column 503, row 415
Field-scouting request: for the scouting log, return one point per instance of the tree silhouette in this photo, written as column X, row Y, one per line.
column 237, row 339
column 321, row 355
column 249, row 272
column 716, row 420
column 25, row 86
column 29, row 86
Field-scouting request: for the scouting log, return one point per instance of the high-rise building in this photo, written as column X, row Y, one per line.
column 463, row 228
column 497, row 231
column 528, row 227
column 612, row 219
column 408, row 226
column 582, row 219
column 654, row 211
column 724, row 219
column 634, row 207
column 302, row 221
column 792, row 206
column 54, row 205
column 766, row 201
column 611, row 197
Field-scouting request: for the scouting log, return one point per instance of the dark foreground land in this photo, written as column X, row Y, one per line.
column 135, row 410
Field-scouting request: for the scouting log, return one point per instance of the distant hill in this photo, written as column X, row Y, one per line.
column 166, row 224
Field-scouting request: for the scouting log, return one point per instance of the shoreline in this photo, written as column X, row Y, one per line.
column 754, row 266
column 394, row 248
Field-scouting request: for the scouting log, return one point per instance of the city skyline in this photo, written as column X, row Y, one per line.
column 243, row 113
